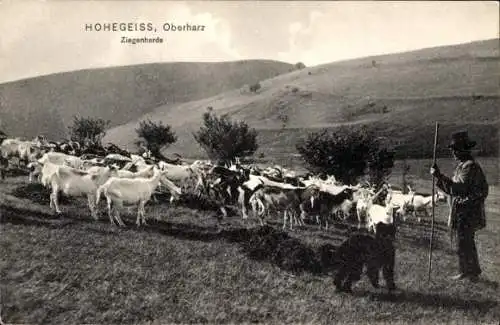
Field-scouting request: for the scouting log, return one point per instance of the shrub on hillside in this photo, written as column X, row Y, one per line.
column 300, row 66
column 348, row 154
column 87, row 130
column 155, row 136
column 223, row 139
column 255, row 87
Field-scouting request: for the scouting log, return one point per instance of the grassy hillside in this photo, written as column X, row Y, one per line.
column 45, row 105
column 400, row 95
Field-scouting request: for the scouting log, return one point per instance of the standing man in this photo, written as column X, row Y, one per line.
column 468, row 190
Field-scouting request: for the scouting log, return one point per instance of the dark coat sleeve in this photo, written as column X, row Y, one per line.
column 469, row 182
column 468, row 189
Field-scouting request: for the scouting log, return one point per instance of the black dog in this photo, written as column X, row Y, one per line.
column 375, row 252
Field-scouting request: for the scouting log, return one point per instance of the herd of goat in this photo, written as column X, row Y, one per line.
column 123, row 178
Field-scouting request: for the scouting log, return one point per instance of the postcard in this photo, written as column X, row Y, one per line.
column 298, row 162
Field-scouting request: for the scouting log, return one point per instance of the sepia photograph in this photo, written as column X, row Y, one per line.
column 237, row 162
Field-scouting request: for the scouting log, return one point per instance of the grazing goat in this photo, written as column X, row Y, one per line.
column 60, row 158
column 344, row 209
column 35, row 169
column 143, row 173
column 325, row 204
column 250, row 185
column 420, row 204
column 48, row 169
column 364, row 203
column 400, row 201
column 74, row 182
column 132, row 191
column 379, row 214
column 413, row 202
column 184, row 176
column 328, row 185
column 16, row 148
column 287, row 200
column 46, row 165
column 246, row 190
column 224, row 184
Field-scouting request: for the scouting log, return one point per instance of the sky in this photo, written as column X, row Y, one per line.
column 44, row 37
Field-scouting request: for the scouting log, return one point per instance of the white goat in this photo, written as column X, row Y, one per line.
column 60, row 158
column 74, row 182
column 17, row 148
column 143, row 173
column 115, row 156
column 35, row 169
column 180, row 174
column 364, row 203
column 45, row 167
column 420, row 204
column 48, row 169
column 399, row 200
column 132, row 191
column 379, row 214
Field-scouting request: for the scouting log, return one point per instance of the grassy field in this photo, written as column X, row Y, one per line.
column 187, row 266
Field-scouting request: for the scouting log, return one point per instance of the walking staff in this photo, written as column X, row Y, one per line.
column 433, row 201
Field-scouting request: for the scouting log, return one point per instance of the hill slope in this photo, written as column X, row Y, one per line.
column 47, row 104
column 401, row 95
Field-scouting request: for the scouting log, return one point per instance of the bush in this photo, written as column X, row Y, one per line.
column 255, row 87
column 348, row 154
column 87, row 130
column 224, row 139
column 155, row 136
column 300, row 66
